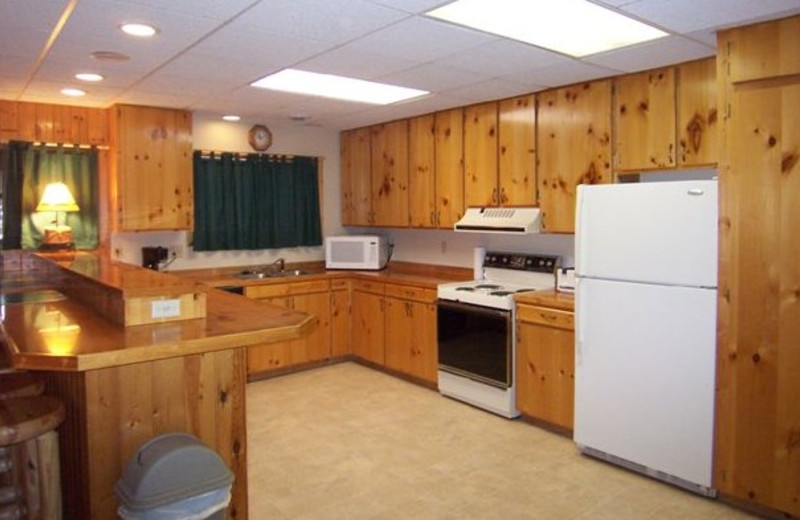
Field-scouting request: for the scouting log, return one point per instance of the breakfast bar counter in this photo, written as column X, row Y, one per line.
column 122, row 383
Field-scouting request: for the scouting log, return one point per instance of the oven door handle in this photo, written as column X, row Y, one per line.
column 475, row 309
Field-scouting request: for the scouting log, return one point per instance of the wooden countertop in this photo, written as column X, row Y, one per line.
column 45, row 331
column 549, row 298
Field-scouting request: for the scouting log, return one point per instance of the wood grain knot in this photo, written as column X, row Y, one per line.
column 712, row 116
column 793, row 441
column 751, row 494
column 623, row 109
column 237, row 447
column 772, row 141
column 788, row 162
column 223, row 396
column 643, row 106
column 756, row 357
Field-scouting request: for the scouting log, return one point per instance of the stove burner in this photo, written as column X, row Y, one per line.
column 500, row 293
column 487, row 286
column 468, row 289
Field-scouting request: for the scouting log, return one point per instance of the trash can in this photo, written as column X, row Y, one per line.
column 174, row 477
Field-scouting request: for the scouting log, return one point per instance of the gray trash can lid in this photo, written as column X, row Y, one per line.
column 169, row 468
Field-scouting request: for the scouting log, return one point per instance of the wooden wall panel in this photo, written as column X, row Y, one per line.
column 765, row 50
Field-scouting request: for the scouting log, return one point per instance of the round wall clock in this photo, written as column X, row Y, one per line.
column 259, row 137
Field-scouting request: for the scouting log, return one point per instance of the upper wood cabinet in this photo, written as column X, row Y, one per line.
column 517, row 151
column 698, row 134
column 42, row 122
column 449, row 160
column 389, row 144
column 151, row 170
column 480, row 155
column 765, row 50
column 421, row 172
column 644, row 117
column 573, row 147
column 355, row 177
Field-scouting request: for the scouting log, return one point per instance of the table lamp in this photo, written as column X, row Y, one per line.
column 57, row 198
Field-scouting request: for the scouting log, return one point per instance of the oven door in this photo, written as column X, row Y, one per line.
column 475, row 342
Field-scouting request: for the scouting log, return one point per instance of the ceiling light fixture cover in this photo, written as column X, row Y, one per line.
column 141, row 30
column 231, row 117
column 336, row 87
column 74, row 92
column 574, row 27
column 89, row 76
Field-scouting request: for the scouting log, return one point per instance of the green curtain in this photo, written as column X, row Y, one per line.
column 255, row 202
column 37, row 166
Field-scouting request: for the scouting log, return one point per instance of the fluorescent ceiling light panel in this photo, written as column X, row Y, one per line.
column 336, row 87
column 574, row 27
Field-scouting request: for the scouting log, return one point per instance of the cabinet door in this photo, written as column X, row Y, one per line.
column 546, row 371
column 645, row 120
column 356, row 181
column 449, row 153
column 517, row 151
column 765, row 50
column 574, row 147
column 340, row 318
column 411, row 338
column 480, row 155
column 316, row 345
column 390, row 174
column 272, row 356
column 399, row 333
column 421, row 172
column 153, row 168
column 367, row 311
column 697, row 113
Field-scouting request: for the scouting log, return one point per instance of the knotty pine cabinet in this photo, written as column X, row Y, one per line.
column 356, row 161
column 449, row 166
column 389, row 183
column 546, row 364
column 340, row 318
column 573, row 147
column 517, row 151
column 313, row 297
column 667, row 118
column 480, row 155
column 422, row 171
column 411, row 331
column 47, row 123
column 367, row 310
column 151, row 168
column 757, row 422
column 644, row 118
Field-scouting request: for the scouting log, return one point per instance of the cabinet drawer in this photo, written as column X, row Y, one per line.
column 369, row 286
column 286, row 289
column 410, row 292
column 339, row 285
column 546, row 316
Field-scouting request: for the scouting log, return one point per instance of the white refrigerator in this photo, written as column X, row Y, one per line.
column 646, row 299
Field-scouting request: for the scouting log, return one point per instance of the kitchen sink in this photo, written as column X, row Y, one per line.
column 258, row 275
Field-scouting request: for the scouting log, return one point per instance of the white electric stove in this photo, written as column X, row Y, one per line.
column 476, row 329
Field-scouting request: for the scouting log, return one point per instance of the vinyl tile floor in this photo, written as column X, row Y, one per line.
column 348, row 442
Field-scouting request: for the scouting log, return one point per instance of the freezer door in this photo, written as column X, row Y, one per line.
column 644, row 375
column 659, row 232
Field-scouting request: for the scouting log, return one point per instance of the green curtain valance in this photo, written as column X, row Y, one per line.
column 255, row 202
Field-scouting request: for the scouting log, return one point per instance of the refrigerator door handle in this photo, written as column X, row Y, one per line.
column 578, row 248
column 580, row 323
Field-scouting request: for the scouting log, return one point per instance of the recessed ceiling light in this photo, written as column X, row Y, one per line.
column 89, row 76
column 74, row 92
column 574, row 27
column 141, row 30
column 336, row 87
column 109, row 56
column 231, row 117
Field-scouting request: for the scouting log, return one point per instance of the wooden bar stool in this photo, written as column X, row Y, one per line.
column 27, row 428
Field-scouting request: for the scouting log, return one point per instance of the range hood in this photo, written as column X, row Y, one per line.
column 515, row 221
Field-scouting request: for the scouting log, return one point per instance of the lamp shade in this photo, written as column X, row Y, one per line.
column 57, row 197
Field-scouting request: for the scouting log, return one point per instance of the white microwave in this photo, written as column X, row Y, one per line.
column 367, row 252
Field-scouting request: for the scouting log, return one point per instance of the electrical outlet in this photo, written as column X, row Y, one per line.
column 176, row 250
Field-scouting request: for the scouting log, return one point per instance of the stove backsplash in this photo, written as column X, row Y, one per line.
column 458, row 249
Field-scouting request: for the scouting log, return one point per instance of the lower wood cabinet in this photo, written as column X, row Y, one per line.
column 313, row 297
column 411, row 331
column 546, row 364
column 367, row 326
column 340, row 318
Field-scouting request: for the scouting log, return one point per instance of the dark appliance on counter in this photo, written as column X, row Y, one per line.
column 475, row 320
column 153, row 256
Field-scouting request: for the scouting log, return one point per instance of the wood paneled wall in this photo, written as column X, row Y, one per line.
column 757, row 457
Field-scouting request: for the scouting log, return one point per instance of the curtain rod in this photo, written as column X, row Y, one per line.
column 205, row 154
column 72, row 145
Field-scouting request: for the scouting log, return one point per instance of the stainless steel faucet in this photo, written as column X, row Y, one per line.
column 281, row 263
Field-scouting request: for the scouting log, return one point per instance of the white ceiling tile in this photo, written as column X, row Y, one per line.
column 213, row 9
column 421, row 39
column 665, row 51
column 572, row 71
column 692, row 15
column 355, row 63
column 502, row 57
column 433, row 77
column 412, row 6
column 488, row 90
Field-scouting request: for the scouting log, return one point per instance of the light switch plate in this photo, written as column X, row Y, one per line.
column 166, row 309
